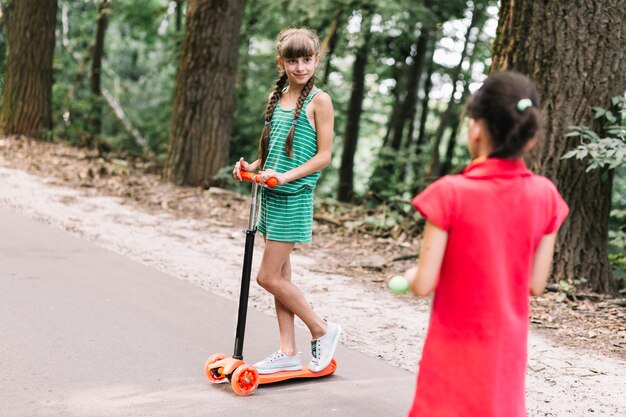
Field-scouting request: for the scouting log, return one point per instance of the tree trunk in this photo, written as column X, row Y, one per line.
column 96, row 68
column 428, row 85
column 575, row 54
column 179, row 16
column 456, row 122
column 203, row 108
column 389, row 167
column 410, row 106
column 346, row 170
column 251, row 14
column 329, row 43
column 26, row 103
column 398, row 98
column 434, row 165
column 452, row 141
column 407, row 109
column 399, row 72
column 421, row 135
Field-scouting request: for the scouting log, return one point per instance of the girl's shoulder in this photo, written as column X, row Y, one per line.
column 544, row 186
column 442, row 186
column 321, row 97
column 321, row 101
column 449, row 180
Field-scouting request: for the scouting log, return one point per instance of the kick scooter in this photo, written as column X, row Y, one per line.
column 243, row 377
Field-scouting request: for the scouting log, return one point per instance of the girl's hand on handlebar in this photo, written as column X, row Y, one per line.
column 270, row 173
column 242, row 165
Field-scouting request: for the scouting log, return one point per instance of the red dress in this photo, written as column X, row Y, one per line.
column 474, row 358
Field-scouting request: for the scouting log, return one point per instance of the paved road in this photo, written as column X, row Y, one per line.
column 86, row 332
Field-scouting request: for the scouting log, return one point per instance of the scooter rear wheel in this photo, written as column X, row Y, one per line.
column 245, row 380
column 212, row 376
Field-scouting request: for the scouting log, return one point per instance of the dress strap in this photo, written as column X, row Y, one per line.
column 311, row 95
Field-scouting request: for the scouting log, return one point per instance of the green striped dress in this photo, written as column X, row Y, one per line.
column 286, row 212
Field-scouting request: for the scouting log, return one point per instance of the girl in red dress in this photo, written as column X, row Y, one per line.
column 488, row 243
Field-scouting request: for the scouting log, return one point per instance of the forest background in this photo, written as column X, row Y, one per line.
column 180, row 88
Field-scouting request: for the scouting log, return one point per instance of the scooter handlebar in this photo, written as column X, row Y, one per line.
column 249, row 176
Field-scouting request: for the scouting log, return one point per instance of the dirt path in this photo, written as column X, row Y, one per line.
column 208, row 251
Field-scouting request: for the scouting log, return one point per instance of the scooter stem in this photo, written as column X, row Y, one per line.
column 245, row 275
column 253, row 206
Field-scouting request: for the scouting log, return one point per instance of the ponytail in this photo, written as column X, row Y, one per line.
column 508, row 103
column 523, row 129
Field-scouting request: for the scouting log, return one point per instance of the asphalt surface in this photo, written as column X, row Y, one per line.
column 86, row 332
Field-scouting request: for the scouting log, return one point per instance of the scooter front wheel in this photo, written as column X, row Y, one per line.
column 214, row 375
column 245, row 380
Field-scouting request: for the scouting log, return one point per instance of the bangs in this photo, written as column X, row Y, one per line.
column 298, row 45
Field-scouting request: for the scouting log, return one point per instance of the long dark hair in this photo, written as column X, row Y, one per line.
column 291, row 43
column 509, row 104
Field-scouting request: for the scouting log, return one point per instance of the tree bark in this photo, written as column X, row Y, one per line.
column 26, row 103
column 203, row 109
column 351, row 137
column 575, row 54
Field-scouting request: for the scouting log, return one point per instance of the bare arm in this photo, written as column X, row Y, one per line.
column 324, row 124
column 423, row 278
column 541, row 264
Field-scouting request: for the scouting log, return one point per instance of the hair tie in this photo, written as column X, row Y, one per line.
column 294, row 122
column 267, row 123
column 523, row 104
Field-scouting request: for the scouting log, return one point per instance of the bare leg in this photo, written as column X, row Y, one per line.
column 286, row 318
column 288, row 297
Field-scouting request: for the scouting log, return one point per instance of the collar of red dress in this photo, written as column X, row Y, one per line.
column 496, row 167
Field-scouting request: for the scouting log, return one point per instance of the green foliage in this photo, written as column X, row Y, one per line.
column 71, row 117
column 141, row 57
column 395, row 218
column 617, row 226
column 608, row 151
column 571, row 285
column 138, row 71
column 2, row 62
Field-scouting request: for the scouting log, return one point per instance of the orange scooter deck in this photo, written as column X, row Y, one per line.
column 305, row 372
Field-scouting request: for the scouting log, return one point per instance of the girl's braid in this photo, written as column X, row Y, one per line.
column 296, row 113
column 264, row 140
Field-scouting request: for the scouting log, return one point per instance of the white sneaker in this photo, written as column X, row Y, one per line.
column 323, row 349
column 278, row 362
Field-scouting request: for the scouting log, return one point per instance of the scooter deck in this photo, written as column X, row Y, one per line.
column 305, row 372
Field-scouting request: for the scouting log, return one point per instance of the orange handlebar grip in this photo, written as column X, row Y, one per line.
column 249, row 176
column 272, row 182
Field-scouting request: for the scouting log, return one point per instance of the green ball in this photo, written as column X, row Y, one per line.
column 398, row 284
